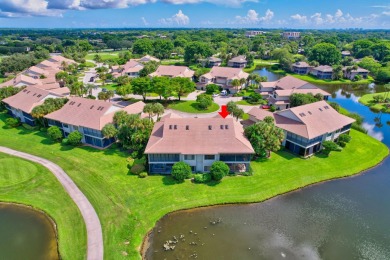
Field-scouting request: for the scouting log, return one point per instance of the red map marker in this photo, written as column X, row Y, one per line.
column 224, row 112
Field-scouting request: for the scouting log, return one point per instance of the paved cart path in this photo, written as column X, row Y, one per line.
column 94, row 229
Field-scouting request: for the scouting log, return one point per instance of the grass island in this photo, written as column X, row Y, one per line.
column 128, row 206
column 368, row 100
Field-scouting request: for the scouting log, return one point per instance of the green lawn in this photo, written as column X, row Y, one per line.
column 367, row 100
column 177, row 62
column 2, row 80
column 313, row 79
column 245, row 103
column 128, row 206
column 104, row 55
column 28, row 183
column 192, row 107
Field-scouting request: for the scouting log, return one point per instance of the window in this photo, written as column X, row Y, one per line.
column 189, row 157
column 207, row 168
column 65, row 125
column 209, row 157
column 164, row 157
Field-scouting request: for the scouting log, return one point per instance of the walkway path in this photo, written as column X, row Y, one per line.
column 94, row 229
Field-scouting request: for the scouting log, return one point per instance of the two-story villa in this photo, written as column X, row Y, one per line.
column 130, row 69
column 198, row 142
column 21, row 104
column 279, row 92
column 238, row 62
column 173, row 72
column 322, row 72
column 301, row 67
column 306, row 127
column 89, row 116
column 223, row 76
column 351, row 73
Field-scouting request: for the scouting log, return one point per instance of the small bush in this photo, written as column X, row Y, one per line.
column 342, row 144
column 12, row 122
column 29, row 127
column 137, row 169
column 91, row 97
column 130, row 160
column 181, row 171
column 65, row 141
column 272, row 108
column 143, row 175
column 212, row 88
column 202, row 178
column 74, row 138
column 358, row 127
column 54, row 133
column 330, row 146
column 345, row 138
column 218, row 170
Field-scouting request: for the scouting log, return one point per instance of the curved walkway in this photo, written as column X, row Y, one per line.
column 94, row 229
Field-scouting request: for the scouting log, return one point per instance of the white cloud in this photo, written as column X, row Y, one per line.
column 20, row 8
column 144, row 21
column 216, row 2
column 317, row 19
column 178, row 19
column 299, row 18
column 252, row 17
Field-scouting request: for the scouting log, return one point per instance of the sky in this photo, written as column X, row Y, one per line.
column 294, row 14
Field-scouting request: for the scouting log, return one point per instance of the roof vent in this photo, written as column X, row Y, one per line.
column 34, row 94
column 210, row 127
column 187, row 127
column 309, row 112
column 79, row 105
column 326, row 107
column 320, row 109
column 226, row 126
column 170, row 127
column 222, row 127
column 91, row 107
column 175, row 127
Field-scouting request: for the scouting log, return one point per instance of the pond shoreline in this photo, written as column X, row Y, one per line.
column 145, row 242
column 53, row 223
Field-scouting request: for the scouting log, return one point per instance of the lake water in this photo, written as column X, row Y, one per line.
column 26, row 234
column 340, row 219
column 270, row 75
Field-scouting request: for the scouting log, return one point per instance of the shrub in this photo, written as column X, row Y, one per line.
column 330, row 146
column 272, row 108
column 130, row 160
column 65, row 141
column 342, row 144
column 143, row 175
column 54, row 133
column 91, row 97
column 345, row 138
column 181, row 171
column 255, row 98
column 212, row 88
column 29, row 127
column 204, row 101
column 218, row 170
column 12, row 122
column 202, row 178
column 74, row 138
column 137, row 169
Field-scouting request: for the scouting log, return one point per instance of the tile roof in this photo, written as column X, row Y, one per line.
column 94, row 114
column 308, row 121
column 148, row 58
column 29, row 98
column 289, row 92
column 357, row 70
column 301, row 64
column 173, row 71
column 239, row 59
column 226, row 72
column 38, row 70
column 324, row 68
column 198, row 136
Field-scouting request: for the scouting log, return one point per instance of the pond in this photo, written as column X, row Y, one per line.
column 270, row 75
column 26, row 234
column 340, row 219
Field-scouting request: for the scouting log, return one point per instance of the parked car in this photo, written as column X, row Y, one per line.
column 215, row 95
column 223, row 93
column 265, row 107
column 91, row 79
column 104, row 90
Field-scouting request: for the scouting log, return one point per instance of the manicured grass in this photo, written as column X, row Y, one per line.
column 178, row 62
column 368, row 100
column 110, row 86
column 104, row 55
column 128, row 206
column 258, row 63
column 245, row 103
column 312, row 79
column 192, row 107
column 2, row 80
column 31, row 184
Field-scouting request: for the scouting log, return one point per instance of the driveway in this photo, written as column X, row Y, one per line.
column 92, row 222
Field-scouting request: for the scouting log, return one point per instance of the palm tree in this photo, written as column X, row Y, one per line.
column 236, row 83
column 89, row 88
